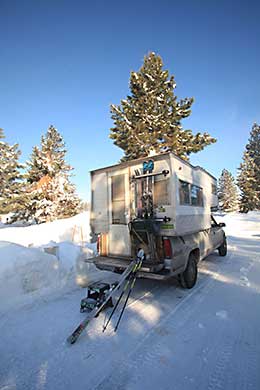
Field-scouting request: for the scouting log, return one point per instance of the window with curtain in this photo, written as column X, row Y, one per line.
column 161, row 193
column 118, row 200
column 190, row 194
column 184, row 192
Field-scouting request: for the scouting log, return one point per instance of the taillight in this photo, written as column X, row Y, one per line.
column 167, row 248
column 98, row 243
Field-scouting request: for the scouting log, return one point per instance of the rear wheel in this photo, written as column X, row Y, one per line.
column 118, row 270
column 189, row 277
column 222, row 250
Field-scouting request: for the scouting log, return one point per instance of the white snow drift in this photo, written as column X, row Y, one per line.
column 23, row 271
column 75, row 229
column 27, row 272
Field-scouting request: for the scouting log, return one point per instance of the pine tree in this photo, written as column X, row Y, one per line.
column 150, row 118
column 67, row 199
column 253, row 146
column 11, row 186
column 35, row 166
column 50, row 194
column 227, row 192
column 249, row 175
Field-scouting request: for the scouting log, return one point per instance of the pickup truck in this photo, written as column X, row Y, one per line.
column 180, row 258
column 161, row 204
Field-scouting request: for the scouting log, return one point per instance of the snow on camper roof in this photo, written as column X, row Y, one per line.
column 155, row 157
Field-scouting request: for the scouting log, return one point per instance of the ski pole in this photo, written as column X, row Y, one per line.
column 140, row 256
column 117, row 302
column 129, row 292
column 94, row 313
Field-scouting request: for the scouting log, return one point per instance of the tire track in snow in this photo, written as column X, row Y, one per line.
column 155, row 295
column 147, row 352
column 250, row 362
column 153, row 351
column 218, row 379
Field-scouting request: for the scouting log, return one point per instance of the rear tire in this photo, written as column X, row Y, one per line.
column 118, row 270
column 189, row 277
column 222, row 250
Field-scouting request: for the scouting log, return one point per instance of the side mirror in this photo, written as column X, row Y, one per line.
column 221, row 224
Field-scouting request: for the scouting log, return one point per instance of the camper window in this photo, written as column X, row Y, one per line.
column 196, row 196
column 118, row 199
column 190, row 194
column 184, row 192
column 214, row 189
column 161, row 193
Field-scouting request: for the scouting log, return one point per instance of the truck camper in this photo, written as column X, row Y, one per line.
column 161, row 204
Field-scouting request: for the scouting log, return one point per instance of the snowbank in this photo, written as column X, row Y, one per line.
column 41, row 259
column 72, row 259
column 240, row 224
column 25, row 271
column 75, row 229
column 30, row 273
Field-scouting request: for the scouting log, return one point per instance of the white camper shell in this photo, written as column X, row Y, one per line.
column 162, row 205
column 182, row 199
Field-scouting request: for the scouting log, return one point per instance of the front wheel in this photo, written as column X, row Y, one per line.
column 222, row 250
column 189, row 277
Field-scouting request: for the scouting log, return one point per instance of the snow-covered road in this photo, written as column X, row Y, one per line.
column 169, row 338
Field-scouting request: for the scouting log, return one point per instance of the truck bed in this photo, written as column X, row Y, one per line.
column 149, row 271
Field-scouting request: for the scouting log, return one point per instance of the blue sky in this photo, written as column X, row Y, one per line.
column 64, row 63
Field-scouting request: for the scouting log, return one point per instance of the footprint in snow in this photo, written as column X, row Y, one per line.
column 222, row 314
column 244, row 270
column 244, row 281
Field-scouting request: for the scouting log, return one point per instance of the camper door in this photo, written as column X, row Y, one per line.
column 118, row 235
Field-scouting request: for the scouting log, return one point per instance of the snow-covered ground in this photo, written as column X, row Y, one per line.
column 27, row 272
column 169, row 338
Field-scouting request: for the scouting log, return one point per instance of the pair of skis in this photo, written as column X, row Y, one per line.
column 131, row 272
column 128, row 285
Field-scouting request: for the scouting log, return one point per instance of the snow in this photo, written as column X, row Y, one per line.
column 222, row 314
column 23, row 271
column 74, row 229
column 241, row 225
column 36, row 262
column 169, row 338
